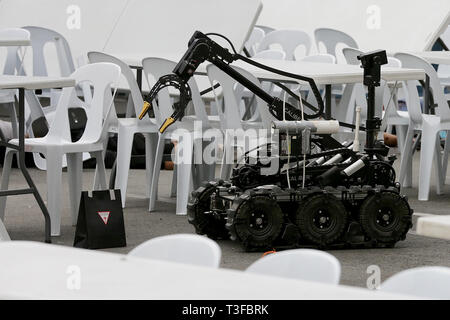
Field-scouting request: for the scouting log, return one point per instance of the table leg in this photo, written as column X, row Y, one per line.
column 23, row 168
column 328, row 102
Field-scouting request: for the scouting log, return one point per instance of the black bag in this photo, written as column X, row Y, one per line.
column 100, row 222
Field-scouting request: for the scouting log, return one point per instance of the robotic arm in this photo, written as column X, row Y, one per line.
column 201, row 49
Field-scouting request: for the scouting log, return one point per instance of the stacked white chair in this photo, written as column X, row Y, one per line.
column 157, row 67
column 317, row 58
column 303, row 264
column 181, row 248
column 266, row 29
column 128, row 127
column 41, row 38
column 331, row 39
column 58, row 141
column 13, row 65
column 429, row 126
column 232, row 114
column 268, row 86
column 253, row 41
column 288, row 40
column 423, row 282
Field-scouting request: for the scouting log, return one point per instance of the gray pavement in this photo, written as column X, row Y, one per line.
column 25, row 222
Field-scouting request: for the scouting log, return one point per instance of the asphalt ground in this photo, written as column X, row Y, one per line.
column 25, row 222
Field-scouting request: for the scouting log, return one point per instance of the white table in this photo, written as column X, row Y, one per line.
column 434, row 226
column 23, row 83
column 32, row 270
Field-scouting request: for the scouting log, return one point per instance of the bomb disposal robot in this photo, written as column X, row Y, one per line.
column 336, row 196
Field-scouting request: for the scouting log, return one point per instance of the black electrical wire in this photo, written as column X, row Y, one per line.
column 223, row 37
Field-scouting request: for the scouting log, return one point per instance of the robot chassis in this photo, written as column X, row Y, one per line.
column 335, row 198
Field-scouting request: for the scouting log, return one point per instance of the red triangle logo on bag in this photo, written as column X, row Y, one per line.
column 104, row 215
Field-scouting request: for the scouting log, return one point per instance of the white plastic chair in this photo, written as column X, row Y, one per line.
column 319, row 58
column 266, row 29
column 331, row 38
column 428, row 125
column 289, row 40
column 304, row 264
column 232, row 115
column 128, row 127
column 58, row 141
column 253, row 41
column 266, row 85
column 425, row 282
column 181, row 248
column 41, row 38
column 13, row 65
column 157, row 67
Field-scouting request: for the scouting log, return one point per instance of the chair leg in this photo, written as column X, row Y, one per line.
column 438, row 165
column 156, row 171
column 402, row 131
column 97, row 175
column 226, row 167
column 184, row 174
column 151, row 143
column 427, row 153
column 124, row 148
column 173, row 188
column 5, row 179
column 54, row 192
column 75, row 175
column 445, row 157
column 100, row 179
column 406, row 160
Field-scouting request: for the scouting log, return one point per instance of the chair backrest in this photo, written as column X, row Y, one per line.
column 266, row 29
column 158, row 67
column 181, row 248
column 231, row 114
column 270, row 54
column 13, row 61
column 253, row 41
column 425, row 282
column 136, row 95
column 320, row 58
column 40, row 37
column 412, row 61
column 304, row 264
column 98, row 107
column 331, row 38
column 351, row 55
column 289, row 40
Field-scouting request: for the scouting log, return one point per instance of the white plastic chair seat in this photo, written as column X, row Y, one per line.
column 42, row 144
column 57, row 142
column 425, row 282
column 305, row 264
column 181, row 248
